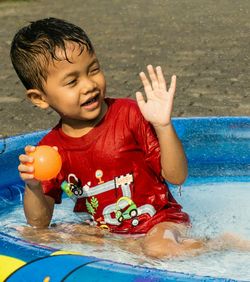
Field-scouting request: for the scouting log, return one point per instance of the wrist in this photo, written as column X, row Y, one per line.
column 34, row 186
column 162, row 127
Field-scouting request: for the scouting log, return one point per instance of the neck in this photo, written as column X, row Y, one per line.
column 78, row 128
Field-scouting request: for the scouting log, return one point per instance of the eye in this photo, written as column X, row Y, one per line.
column 72, row 82
column 94, row 70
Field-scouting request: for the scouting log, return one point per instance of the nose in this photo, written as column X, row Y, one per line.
column 88, row 85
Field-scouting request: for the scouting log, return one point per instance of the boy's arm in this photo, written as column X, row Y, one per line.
column 173, row 159
column 38, row 208
column 157, row 110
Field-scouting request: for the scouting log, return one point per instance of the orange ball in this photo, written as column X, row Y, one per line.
column 47, row 162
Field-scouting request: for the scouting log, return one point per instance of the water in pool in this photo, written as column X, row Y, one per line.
column 214, row 208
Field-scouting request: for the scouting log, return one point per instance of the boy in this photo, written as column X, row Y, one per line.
column 118, row 153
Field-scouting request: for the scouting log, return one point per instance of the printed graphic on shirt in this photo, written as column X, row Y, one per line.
column 92, row 205
column 115, row 213
column 99, row 175
column 126, row 209
column 73, row 187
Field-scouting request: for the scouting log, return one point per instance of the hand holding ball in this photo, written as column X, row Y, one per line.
column 47, row 162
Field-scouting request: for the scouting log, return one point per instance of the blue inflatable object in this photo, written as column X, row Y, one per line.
column 218, row 149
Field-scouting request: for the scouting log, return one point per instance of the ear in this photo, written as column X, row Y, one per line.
column 37, row 98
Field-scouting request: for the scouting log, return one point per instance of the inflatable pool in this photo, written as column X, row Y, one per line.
column 218, row 150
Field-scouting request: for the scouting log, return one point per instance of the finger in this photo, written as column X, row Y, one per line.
column 161, row 78
column 29, row 149
column 27, row 176
column 146, row 84
column 19, row 228
column 172, row 87
column 140, row 99
column 153, row 77
column 56, row 148
column 26, row 159
column 25, row 168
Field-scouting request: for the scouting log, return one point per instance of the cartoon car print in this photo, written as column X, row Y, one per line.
column 126, row 209
column 72, row 186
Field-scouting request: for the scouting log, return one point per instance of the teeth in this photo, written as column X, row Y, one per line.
column 90, row 101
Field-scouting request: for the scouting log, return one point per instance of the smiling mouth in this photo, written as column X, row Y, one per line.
column 90, row 101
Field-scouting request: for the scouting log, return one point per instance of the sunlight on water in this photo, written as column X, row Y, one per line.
column 214, row 208
column 217, row 207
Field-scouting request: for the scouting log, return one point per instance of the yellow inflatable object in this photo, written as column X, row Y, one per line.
column 62, row 252
column 8, row 265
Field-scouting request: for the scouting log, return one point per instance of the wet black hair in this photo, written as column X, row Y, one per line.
column 34, row 47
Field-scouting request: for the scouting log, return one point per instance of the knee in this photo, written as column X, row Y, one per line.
column 160, row 247
column 191, row 244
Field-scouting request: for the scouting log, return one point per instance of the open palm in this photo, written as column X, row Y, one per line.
column 158, row 106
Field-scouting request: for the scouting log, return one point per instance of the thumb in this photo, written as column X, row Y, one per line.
column 140, row 99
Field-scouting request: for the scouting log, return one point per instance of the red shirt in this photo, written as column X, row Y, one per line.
column 116, row 167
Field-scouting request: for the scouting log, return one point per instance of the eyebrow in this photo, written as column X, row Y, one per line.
column 75, row 73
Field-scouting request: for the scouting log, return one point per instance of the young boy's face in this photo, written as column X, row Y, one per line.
column 75, row 89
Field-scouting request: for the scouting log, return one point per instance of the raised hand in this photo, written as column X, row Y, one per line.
column 157, row 108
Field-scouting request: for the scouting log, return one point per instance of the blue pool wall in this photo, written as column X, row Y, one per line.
column 222, row 141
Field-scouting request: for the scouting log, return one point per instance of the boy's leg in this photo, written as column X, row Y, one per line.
column 64, row 233
column 229, row 241
column 167, row 239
